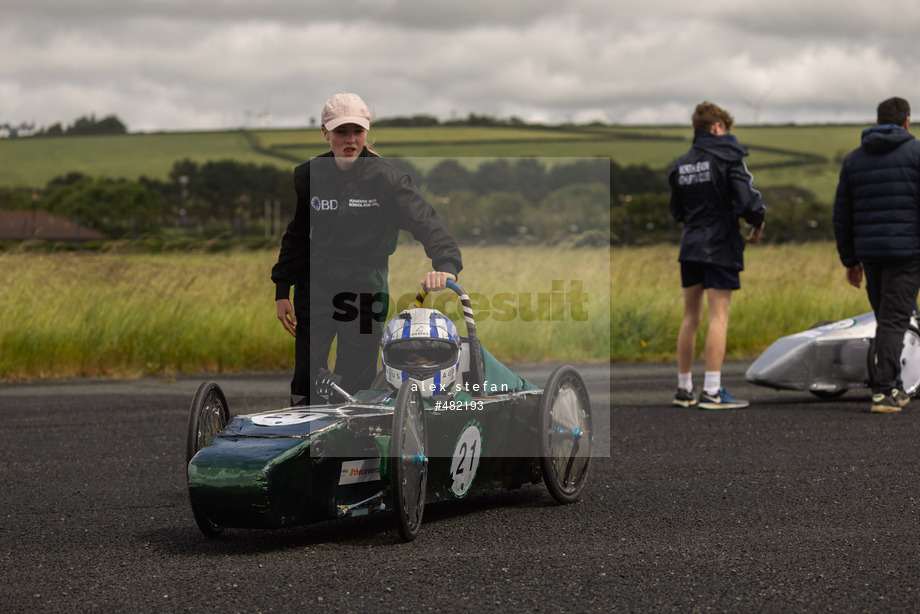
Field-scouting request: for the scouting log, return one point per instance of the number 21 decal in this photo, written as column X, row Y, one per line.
column 466, row 459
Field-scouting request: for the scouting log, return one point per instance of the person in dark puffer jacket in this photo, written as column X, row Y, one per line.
column 711, row 188
column 877, row 228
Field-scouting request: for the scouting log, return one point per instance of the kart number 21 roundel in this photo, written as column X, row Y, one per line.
column 466, row 459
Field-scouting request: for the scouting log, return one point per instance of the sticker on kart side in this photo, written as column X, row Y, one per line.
column 465, row 461
column 285, row 418
column 355, row 472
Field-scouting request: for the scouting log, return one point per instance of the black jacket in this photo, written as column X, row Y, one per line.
column 354, row 217
column 877, row 206
column 711, row 188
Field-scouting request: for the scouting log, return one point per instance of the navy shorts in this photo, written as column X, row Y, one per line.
column 710, row 275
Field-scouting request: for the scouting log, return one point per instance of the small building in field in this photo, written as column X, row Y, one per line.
column 43, row 226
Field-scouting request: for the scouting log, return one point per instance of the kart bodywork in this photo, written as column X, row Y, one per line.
column 833, row 357
column 386, row 449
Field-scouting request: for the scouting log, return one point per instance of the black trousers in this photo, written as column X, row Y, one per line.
column 346, row 303
column 892, row 288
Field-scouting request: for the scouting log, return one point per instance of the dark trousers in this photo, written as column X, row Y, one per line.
column 345, row 303
column 892, row 288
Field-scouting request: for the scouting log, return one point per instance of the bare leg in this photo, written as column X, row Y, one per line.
column 719, row 303
column 686, row 338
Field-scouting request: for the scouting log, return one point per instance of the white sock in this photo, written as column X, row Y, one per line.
column 712, row 381
column 685, row 381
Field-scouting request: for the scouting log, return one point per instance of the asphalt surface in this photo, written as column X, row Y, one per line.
column 792, row 505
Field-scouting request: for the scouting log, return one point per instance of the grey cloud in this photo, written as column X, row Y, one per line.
column 166, row 64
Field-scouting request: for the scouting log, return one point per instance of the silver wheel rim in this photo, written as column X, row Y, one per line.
column 568, row 435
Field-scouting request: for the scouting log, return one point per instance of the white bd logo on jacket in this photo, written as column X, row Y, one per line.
column 324, row 205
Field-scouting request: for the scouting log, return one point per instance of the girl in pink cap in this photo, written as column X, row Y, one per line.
column 351, row 205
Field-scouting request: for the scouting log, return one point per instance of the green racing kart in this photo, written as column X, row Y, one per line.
column 387, row 448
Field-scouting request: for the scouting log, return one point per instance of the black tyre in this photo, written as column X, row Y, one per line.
column 409, row 461
column 828, row 395
column 565, row 438
column 207, row 417
column 909, row 361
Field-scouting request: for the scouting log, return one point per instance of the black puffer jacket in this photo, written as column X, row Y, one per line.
column 711, row 188
column 877, row 207
column 355, row 217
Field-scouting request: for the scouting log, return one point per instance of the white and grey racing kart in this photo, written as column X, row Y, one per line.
column 832, row 357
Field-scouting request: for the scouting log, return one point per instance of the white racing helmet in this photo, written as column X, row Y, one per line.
column 421, row 345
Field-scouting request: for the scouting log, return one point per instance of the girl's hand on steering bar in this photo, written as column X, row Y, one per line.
column 437, row 280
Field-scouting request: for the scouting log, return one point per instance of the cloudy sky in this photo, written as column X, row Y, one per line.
column 217, row 64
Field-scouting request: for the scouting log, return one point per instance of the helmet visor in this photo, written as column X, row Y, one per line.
column 417, row 357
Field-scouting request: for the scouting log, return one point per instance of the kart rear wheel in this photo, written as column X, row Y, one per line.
column 208, row 416
column 565, row 437
column 409, row 460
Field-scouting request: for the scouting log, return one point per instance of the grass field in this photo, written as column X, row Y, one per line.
column 33, row 162
column 809, row 155
column 125, row 315
column 784, row 289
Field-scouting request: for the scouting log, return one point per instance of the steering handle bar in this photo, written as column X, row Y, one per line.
column 476, row 370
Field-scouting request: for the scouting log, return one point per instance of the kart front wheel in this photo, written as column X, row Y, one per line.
column 409, row 460
column 208, row 416
column 565, row 437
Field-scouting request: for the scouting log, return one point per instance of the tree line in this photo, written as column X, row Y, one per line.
column 86, row 125
column 82, row 126
column 111, row 124
column 580, row 200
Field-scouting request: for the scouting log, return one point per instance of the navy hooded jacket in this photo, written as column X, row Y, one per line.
column 877, row 207
column 711, row 188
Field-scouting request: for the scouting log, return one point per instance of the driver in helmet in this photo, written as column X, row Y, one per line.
column 423, row 346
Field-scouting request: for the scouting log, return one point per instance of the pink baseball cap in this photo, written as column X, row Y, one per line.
column 345, row 108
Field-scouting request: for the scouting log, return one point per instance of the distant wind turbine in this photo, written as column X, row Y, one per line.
column 757, row 104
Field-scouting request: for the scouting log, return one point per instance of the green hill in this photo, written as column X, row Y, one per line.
column 804, row 156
